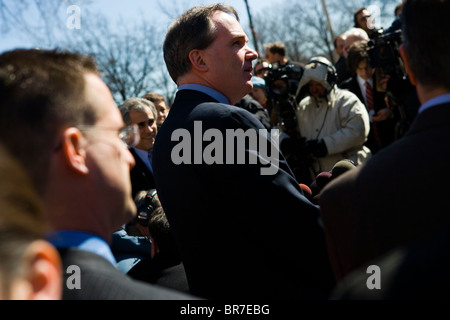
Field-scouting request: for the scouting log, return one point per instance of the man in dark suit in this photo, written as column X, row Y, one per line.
column 141, row 112
column 399, row 197
column 59, row 119
column 241, row 222
column 370, row 91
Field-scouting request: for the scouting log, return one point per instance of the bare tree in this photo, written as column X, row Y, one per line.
column 129, row 53
column 41, row 22
column 129, row 57
column 302, row 26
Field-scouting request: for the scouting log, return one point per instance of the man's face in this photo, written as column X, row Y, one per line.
column 229, row 59
column 365, row 20
column 364, row 70
column 147, row 128
column 108, row 160
column 161, row 109
column 270, row 57
column 316, row 89
column 259, row 94
column 340, row 44
column 261, row 69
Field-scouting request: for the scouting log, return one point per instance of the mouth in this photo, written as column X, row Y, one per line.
column 249, row 71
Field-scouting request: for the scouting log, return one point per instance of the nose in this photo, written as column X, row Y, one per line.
column 252, row 54
column 149, row 128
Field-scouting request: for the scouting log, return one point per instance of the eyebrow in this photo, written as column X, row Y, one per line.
column 238, row 36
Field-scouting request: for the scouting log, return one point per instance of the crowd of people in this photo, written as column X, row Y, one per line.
column 95, row 207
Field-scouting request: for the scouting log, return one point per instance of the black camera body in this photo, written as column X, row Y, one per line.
column 384, row 55
column 383, row 50
column 281, row 89
column 282, row 81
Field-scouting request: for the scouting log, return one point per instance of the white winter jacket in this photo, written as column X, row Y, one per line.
column 342, row 121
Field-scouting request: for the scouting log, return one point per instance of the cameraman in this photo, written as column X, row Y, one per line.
column 275, row 53
column 370, row 89
column 334, row 122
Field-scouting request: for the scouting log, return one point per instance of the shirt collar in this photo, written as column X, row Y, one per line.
column 143, row 154
column 362, row 82
column 207, row 90
column 444, row 98
column 83, row 241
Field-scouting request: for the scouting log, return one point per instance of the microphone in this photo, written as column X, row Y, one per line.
column 306, row 190
column 341, row 167
column 322, row 179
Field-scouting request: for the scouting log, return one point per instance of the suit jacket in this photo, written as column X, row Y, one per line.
column 141, row 176
column 342, row 70
column 240, row 234
column 386, row 128
column 415, row 272
column 159, row 272
column 100, row 280
column 395, row 199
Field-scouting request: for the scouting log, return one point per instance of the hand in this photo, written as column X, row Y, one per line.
column 317, row 148
column 382, row 115
column 384, row 81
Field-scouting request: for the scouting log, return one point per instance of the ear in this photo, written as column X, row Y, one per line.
column 74, row 150
column 405, row 58
column 43, row 273
column 197, row 60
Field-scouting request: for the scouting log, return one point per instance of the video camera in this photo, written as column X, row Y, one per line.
column 281, row 88
column 281, row 81
column 384, row 53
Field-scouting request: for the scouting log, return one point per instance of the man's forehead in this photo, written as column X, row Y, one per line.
column 144, row 114
column 226, row 23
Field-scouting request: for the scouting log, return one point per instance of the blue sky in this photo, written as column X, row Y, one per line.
column 129, row 9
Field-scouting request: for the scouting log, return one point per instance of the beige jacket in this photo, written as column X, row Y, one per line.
column 341, row 121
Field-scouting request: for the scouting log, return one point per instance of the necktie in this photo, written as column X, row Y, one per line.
column 370, row 108
column 369, row 96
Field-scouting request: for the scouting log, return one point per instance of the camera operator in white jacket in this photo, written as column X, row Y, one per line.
column 333, row 122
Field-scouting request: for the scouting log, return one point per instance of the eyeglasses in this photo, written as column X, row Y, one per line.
column 129, row 135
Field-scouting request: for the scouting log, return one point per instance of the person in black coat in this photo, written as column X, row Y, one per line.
column 382, row 116
column 141, row 112
column 242, row 224
column 394, row 200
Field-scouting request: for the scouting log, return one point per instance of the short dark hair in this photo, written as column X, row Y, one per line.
column 194, row 29
column 153, row 97
column 41, row 91
column 427, row 49
column 161, row 233
column 357, row 53
column 276, row 47
column 398, row 8
column 355, row 19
